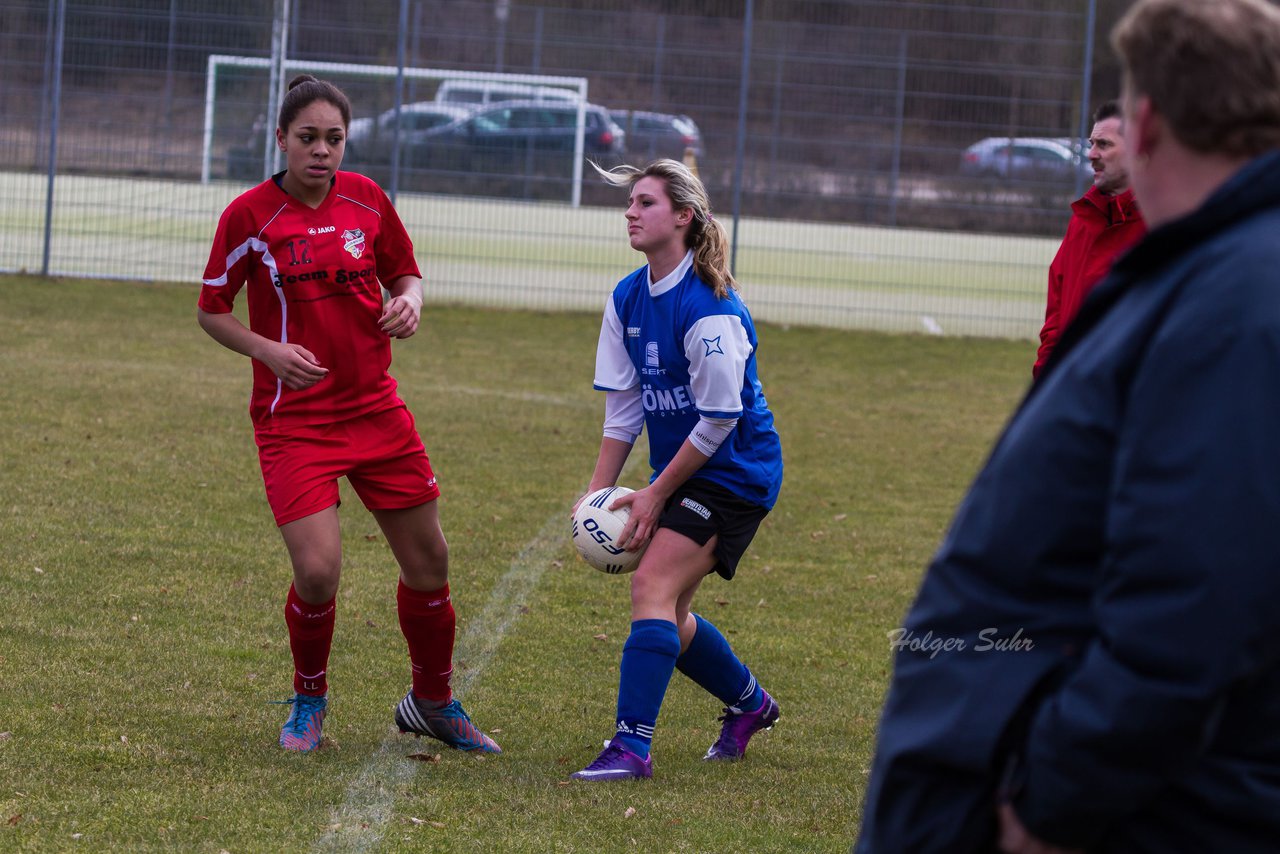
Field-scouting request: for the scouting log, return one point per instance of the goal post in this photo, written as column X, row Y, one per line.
column 219, row 62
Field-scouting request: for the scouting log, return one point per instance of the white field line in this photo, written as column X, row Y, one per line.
column 360, row 822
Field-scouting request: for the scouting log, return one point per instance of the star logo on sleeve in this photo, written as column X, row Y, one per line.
column 713, row 345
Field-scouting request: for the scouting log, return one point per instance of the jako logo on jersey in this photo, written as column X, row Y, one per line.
column 667, row 400
column 712, row 345
column 324, row 229
column 651, row 354
column 353, row 242
column 695, row 507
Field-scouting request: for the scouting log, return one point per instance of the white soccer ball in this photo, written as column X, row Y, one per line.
column 596, row 529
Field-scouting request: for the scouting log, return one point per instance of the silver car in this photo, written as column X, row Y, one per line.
column 654, row 135
column 1026, row 158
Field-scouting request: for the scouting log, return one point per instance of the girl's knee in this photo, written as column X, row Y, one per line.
column 315, row 577
column 428, row 567
column 651, row 590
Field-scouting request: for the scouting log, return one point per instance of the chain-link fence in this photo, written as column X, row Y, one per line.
column 842, row 139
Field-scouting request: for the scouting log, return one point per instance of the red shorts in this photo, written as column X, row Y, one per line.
column 381, row 456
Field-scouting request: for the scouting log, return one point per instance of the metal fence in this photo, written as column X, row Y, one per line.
column 832, row 134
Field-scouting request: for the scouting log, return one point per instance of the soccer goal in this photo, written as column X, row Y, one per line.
column 258, row 155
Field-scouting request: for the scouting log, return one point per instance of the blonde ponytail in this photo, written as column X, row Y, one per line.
column 706, row 237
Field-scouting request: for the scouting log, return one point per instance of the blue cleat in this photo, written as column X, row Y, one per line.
column 305, row 727
column 739, row 727
column 615, row 762
column 449, row 723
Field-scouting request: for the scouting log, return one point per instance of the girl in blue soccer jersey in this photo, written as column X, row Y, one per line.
column 677, row 357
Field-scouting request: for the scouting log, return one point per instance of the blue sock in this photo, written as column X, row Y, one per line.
column 711, row 663
column 648, row 660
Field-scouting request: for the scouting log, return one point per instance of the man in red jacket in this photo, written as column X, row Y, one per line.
column 1104, row 222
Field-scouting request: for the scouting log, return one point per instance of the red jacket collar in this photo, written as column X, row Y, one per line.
column 1116, row 209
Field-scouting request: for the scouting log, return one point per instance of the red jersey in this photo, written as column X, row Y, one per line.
column 315, row 279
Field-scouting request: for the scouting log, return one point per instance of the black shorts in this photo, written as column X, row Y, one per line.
column 701, row 509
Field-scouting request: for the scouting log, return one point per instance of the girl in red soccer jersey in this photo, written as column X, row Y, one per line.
column 315, row 248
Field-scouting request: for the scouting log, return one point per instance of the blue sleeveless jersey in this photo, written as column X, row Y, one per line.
column 691, row 354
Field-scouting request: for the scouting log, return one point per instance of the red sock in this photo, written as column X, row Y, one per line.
column 427, row 621
column 310, row 636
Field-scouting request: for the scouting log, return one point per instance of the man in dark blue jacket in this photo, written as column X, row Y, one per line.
column 1093, row 659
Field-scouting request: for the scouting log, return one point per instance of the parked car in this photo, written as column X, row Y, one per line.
column 370, row 140
column 654, row 135
column 483, row 148
column 525, row 149
column 505, row 138
column 543, row 126
column 514, row 126
column 491, row 92
column 1026, row 159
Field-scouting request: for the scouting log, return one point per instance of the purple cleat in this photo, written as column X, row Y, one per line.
column 739, row 727
column 615, row 762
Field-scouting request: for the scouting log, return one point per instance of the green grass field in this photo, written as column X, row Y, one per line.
column 142, row 635
column 485, row 251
